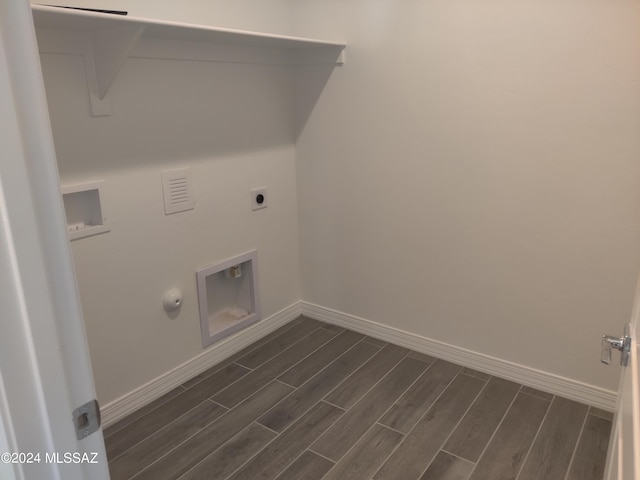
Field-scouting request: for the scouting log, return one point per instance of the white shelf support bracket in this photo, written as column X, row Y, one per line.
column 103, row 57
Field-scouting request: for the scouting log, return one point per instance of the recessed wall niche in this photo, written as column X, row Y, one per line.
column 84, row 210
column 228, row 297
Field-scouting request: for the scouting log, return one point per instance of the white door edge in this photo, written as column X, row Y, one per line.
column 44, row 360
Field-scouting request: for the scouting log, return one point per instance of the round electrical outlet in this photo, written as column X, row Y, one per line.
column 258, row 198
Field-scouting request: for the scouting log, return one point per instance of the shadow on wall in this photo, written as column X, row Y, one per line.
column 309, row 85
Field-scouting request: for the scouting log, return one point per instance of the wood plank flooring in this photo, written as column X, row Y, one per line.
column 313, row 401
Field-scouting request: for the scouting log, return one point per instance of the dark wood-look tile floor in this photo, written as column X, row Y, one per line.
column 314, row 401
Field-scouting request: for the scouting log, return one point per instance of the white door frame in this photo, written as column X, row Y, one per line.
column 45, row 372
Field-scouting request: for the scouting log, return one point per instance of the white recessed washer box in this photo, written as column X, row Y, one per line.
column 84, row 210
column 228, row 296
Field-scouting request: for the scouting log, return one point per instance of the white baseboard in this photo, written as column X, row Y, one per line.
column 121, row 407
column 555, row 384
column 565, row 387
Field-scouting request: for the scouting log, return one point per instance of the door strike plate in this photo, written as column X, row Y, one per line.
column 86, row 419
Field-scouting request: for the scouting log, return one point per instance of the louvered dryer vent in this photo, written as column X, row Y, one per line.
column 178, row 192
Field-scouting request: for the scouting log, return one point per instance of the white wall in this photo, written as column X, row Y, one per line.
column 233, row 125
column 472, row 174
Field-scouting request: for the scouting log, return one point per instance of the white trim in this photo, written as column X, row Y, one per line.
column 565, row 387
column 549, row 382
column 148, row 392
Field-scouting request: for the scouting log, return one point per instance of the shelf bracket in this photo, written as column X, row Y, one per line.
column 104, row 56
